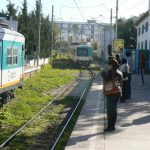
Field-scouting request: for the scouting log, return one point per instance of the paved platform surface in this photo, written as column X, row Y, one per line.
column 133, row 124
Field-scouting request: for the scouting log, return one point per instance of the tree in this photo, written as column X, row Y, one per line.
column 23, row 21
column 127, row 31
column 25, row 13
column 28, row 26
column 3, row 14
column 12, row 11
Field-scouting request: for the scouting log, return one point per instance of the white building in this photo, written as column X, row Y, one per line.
column 143, row 31
column 88, row 33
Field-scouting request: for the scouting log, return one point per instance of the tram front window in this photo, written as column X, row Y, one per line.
column 82, row 52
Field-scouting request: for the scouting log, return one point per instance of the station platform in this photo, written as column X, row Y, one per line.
column 133, row 123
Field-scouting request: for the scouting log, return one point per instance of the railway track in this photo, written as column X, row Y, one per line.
column 53, row 102
column 73, row 111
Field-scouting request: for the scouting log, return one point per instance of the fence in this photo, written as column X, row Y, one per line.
column 33, row 63
column 135, row 54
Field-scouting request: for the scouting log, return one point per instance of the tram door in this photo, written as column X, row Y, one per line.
column 0, row 63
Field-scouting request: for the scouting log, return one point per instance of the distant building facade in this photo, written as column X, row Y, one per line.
column 90, row 33
column 143, row 32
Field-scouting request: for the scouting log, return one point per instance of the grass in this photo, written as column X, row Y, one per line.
column 47, row 121
column 29, row 100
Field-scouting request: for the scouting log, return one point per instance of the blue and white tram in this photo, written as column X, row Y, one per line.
column 81, row 54
column 12, row 46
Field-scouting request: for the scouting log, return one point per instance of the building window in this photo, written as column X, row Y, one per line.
column 145, row 44
column 142, row 29
column 146, row 27
column 142, row 45
column 139, row 31
column 138, row 45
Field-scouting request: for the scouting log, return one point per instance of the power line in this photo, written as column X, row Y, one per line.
column 132, row 7
column 124, row 2
column 94, row 6
column 79, row 9
column 83, row 9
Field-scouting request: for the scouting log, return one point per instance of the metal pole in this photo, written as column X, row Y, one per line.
column 39, row 36
column 60, row 38
column 80, row 34
column 103, row 55
column 52, row 35
column 52, row 25
column 116, row 19
column 149, row 7
column 111, row 26
column 68, row 36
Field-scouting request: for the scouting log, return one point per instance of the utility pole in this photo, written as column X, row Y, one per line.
column 104, row 46
column 149, row 7
column 111, row 26
column 68, row 36
column 60, row 37
column 52, row 25
column 52, row 29
column 116, row 19
column 81, row 33
column 39, row 32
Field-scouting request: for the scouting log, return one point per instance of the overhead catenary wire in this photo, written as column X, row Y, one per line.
column 81, row 13
column 130, row 8
column 79, row 10
column 82, row 9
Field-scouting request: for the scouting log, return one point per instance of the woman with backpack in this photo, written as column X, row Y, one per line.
column 112, row 90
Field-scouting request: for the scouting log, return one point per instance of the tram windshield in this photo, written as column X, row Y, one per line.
column 82, row 52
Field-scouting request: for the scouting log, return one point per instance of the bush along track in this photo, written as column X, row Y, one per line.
column 29, row 100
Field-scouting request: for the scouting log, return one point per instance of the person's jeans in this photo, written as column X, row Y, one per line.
column 129, row 86
column 125, row 90
column 112, row 102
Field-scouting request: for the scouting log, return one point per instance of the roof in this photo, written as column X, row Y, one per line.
column 142, row 17
column 80, row 46
column 11, row 35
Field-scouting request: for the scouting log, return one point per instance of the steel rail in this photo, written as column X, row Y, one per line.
column 84, row 92
column 21, row 128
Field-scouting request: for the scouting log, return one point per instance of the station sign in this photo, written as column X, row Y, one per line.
column 118, row 45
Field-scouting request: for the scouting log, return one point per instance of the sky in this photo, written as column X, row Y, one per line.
column 82, row 10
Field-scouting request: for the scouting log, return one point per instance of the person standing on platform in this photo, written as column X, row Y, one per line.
column 142, row 67
column 125, row 86
column 131, row 69
column 112, row 90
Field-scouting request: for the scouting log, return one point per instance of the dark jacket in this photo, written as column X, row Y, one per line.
column 116, row 77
